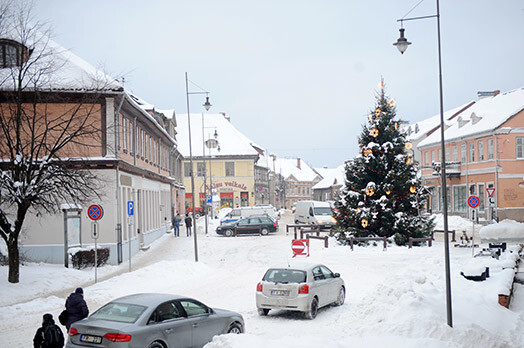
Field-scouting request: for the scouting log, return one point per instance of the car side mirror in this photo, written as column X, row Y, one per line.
column 337, row 275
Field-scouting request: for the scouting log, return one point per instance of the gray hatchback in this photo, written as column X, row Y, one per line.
column 153, row 321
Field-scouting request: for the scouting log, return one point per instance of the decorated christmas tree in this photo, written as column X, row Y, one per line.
column 382, row 194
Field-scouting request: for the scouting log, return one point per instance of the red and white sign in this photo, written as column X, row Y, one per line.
column 300, row 247
column 95, row 212
column 490, row 191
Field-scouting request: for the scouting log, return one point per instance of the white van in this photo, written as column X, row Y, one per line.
column 244, row 212
column 314, row 212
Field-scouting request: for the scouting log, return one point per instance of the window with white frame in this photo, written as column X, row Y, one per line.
column 447, row 154
column 124, row 133
column 432, row 156
column 520, row 147
column 187, row 169
column 200, row 169
column 482, row 194
column 459, row 198
column 230, row 168
column 472, row 152
column 426, row 158
column 481, row 150
column 490, row 149
column 455, row 154
column 463, row 154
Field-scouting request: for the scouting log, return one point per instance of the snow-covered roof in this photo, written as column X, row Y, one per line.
column 330, row 177
column 422, row 128
column 232, row 142
column 64, row 71
column 289, row 167
column 484, row 116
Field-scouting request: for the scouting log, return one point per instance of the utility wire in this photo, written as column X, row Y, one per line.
column 414, row 7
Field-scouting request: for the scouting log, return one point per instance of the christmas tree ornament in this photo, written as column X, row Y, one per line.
column 370, row 191
column 396, row 125
column 367, row 152
column 374, row 132
column 388, row 192
column 392, row 102
column 381, row 84
column 408, row 160
column 412, row 189
column 364, row 223
column 378, row 112
column 370, row 117
column 408, row 146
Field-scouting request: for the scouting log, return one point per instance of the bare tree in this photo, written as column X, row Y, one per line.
column 47, row 128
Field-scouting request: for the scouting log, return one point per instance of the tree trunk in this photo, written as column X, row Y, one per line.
column 14, row 262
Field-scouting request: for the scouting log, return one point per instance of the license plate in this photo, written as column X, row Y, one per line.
column 91, row 339
column 280, row 292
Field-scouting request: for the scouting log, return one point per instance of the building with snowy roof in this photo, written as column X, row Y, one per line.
column 224, row 164
column 299, row 179
column 484, row 150
column 128, row 150
column 332, row 181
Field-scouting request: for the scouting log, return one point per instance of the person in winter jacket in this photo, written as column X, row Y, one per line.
column 188, row 222
column 76, row 307
column 49, row 335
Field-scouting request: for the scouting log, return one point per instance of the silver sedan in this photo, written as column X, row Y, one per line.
column 153, row 321
column 301, row 287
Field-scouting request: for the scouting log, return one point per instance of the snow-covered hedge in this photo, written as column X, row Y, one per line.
column 504, row 231
column 506, row 281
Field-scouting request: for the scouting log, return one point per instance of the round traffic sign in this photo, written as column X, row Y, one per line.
column 95, row 212
column 298, row 246
column 473, row 201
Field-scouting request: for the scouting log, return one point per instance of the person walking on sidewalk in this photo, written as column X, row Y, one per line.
column 189, row 223
column 76, row 307
column 176, row 230
column 49, row 335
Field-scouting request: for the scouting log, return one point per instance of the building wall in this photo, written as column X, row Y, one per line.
column 502, row 170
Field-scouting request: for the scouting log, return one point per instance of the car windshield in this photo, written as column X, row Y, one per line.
column 322, row 211
column 285, row 276
column 122, row 312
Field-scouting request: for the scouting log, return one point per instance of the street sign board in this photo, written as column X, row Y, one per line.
column 473, row 215
column 491, row 201
column 95, row 212
column 300, row 247
column 473, row 201
column 490, row 191
column 94, row 230
column 209, row 198
column 130, row 208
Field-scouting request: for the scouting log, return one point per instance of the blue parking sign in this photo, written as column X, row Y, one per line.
column 209, row 199
column 130, row 208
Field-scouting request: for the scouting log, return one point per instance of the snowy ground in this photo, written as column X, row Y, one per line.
column 395, row 298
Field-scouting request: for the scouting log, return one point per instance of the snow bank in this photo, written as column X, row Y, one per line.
column 504, row 231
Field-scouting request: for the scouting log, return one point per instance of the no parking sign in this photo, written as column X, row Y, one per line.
column 300, row 247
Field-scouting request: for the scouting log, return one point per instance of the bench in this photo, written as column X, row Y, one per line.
column 295, row 228
column 363, row 239
column 325, row 238
column 411, row 240
column 442, row 231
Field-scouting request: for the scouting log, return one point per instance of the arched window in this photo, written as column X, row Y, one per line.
column 12, row 53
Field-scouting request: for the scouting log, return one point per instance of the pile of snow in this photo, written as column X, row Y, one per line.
column 504, row 231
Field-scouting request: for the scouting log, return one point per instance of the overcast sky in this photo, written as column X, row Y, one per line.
column 297, row 77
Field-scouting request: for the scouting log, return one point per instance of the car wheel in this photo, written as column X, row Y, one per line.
column 235, row 328
column 228, row 233
column 156, row 345
column 263, row 311
column 264, row 231
column 341, row 297
column 313, row 309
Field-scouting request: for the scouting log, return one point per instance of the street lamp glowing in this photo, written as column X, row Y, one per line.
column 402, row 43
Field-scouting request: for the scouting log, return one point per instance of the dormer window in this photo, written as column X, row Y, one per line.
column 475, row 118
column 416, row 128
column 12, row 53
column 461, row 121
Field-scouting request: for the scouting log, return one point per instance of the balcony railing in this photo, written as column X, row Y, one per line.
column 452, row 168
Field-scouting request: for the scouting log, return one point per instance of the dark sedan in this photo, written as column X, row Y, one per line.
column 253, row 224
column 153, row 321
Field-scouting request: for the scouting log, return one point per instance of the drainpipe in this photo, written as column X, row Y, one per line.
column 117, row 172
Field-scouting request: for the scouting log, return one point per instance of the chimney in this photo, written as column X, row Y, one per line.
column 298, row 163
column 226, row 117
column 482, row 95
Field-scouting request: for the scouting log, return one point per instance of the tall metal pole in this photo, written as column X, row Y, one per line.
column 204, row 205
column 191, row 172
column 443, row 176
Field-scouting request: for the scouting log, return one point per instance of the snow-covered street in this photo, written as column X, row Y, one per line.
column 395, row 298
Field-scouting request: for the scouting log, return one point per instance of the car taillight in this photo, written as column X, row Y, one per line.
column 274, row 224
column 116, row 337
column 73, row 331
column 259, row 287
column 304, row 289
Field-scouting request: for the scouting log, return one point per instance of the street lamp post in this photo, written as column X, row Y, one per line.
column 402, row 44
column 206, row 105
column 211, row 144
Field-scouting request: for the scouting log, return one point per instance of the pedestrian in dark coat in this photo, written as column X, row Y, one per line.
column 49, row 335
column 189, row 223
column 76, row 307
